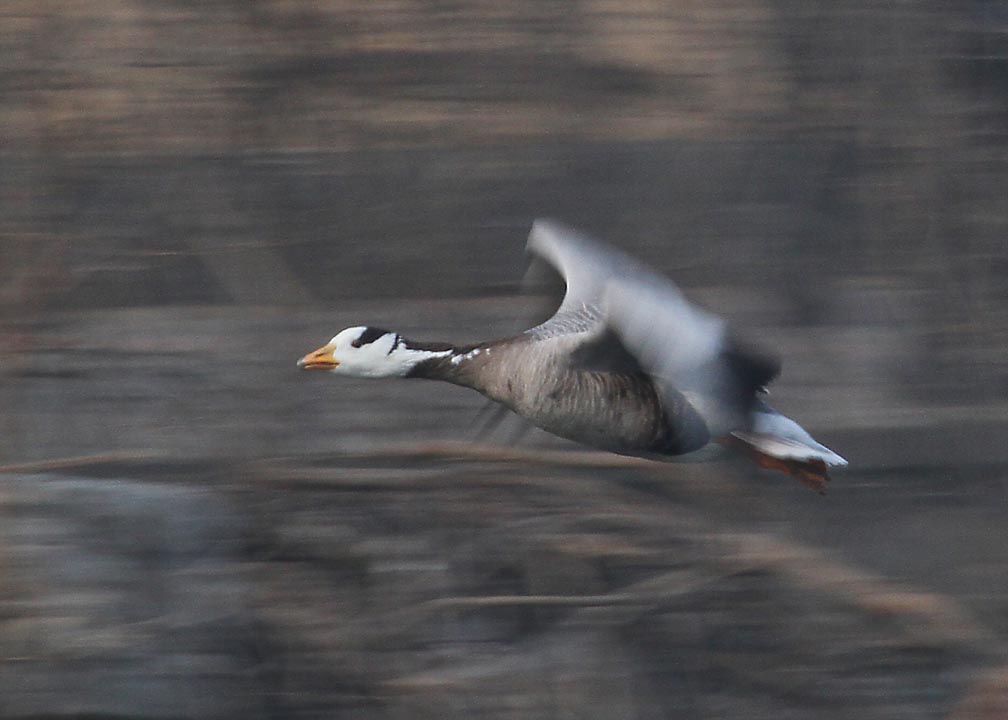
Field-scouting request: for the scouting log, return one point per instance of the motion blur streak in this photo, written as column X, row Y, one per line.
column 193, row 193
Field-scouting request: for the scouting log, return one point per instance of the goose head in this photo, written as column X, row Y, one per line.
column 367, row 352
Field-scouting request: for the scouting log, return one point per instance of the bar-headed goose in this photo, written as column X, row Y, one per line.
column 625, row 364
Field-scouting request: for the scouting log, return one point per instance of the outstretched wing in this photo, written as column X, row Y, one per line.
column 687, row 351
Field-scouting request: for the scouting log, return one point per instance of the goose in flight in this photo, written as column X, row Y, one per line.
column 626, row 364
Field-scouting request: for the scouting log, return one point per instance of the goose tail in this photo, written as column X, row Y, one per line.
column 777, row 442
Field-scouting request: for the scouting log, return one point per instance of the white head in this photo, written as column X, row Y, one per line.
column 367, row 352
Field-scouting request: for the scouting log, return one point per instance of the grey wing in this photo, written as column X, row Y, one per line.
column 586, row 267
column 687, row 351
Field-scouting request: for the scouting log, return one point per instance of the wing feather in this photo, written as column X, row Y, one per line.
column 687, row 351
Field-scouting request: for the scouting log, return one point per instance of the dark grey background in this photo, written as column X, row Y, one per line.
column 195, row 195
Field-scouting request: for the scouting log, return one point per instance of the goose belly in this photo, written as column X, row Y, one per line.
column 614, row 412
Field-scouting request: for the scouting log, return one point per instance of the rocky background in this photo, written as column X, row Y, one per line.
column 195, row 194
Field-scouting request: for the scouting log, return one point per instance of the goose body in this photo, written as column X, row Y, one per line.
column 626, row 364
column 620, row 412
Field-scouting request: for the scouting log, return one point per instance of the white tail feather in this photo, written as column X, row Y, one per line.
column 779, row 436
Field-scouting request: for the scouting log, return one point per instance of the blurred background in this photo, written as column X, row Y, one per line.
column 193, row 195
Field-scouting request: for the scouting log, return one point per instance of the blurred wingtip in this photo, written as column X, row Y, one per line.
column 544, row 229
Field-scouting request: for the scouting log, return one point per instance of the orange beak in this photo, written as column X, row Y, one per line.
column 321, row 359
